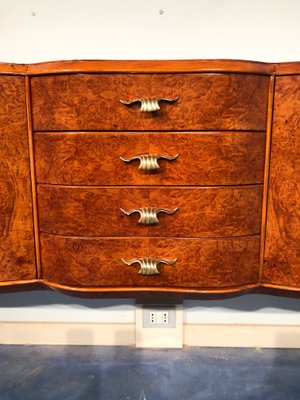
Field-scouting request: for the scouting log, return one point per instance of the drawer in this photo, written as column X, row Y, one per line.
column 96, row 262
column 207, row 101
column 204, row 158
column 202, row 211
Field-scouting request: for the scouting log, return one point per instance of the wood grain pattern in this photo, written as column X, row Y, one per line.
column 282, row 254
column 207, row 102
column 151, row 66
column 86, row 211
column 201, row 263
column 209, row 158
column 16, row 226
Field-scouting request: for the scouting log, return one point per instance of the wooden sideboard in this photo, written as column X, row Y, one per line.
column 150, row 178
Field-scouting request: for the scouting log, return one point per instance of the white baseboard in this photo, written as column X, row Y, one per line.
column 67, row 333
column 264, row 336
column 124, row 335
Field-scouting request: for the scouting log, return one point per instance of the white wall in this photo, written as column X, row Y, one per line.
column 35, row 30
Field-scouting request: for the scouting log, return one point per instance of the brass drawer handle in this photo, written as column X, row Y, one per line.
column 147, row 104
column 149, row 265
column 149, row 215
column 149, row 162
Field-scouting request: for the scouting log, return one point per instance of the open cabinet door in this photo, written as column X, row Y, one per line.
column 282, row 251
column 16, row 225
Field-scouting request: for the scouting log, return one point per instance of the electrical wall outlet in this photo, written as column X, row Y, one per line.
column 159, row 316
column 159, row 324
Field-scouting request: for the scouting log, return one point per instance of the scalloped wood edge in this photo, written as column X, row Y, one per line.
column 150, row 292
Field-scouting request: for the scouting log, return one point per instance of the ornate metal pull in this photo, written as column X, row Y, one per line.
column 149, row 215
column 149, row 162
column 147, row 104
column 149, row 265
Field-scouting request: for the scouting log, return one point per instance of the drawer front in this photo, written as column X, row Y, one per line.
column 202, row 212
column 91, row 158
column 200, row 263
column 206, row 102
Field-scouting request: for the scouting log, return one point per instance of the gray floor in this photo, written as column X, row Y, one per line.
column 123, row 373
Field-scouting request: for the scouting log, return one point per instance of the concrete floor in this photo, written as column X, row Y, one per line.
column 123, row 373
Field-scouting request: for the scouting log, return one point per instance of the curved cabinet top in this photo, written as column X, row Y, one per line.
column 288, row 68
column 158, row 66
column 13, row 69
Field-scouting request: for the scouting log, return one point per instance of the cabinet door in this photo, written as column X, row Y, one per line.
column 282, row 253
column 16, row 225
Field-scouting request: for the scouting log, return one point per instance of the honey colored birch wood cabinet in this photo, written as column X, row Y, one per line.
column 150, row 178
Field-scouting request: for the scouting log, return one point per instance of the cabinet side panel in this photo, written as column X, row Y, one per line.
column 282, row 254
column 17, row 259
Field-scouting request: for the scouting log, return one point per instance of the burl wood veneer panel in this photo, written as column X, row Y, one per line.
column 206, row 102
column 206, row 212
column 282, row 254
column 205, row 158
column 201, row 263
column 17, row 259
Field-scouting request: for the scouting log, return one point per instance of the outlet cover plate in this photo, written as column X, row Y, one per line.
column 159, row 310
column 159, row 335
